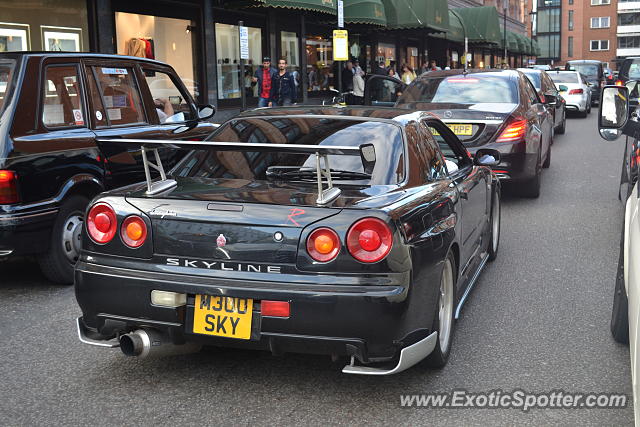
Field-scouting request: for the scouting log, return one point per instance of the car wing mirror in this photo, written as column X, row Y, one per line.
column 550, row 99
column 563, row 88
column 206, row 112
column 614, row 111
column 487, row 157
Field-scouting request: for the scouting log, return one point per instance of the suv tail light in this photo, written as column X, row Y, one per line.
column 619, row 83
column 102, row 223
column 369, row 240
column 8, row 187
column 323, row 244
column 575, row 91
column 133, row 231
column 516, row 130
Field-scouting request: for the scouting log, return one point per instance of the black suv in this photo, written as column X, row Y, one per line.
column 57, row 113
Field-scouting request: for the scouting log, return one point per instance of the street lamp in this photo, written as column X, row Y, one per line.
column 464, row 33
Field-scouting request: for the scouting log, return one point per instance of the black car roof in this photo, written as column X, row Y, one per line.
column 43, row 54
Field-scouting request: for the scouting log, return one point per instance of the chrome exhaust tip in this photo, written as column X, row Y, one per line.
column 148, row 342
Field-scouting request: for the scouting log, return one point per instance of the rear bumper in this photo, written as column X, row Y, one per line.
column 26, row 231
column 576, row 102
column 371, row 323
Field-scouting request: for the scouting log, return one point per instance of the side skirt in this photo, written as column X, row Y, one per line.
column 472, row 283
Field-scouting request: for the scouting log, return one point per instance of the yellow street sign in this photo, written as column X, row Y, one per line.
column 340, row 45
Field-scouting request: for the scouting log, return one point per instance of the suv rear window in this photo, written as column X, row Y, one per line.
column 631, row 69
column 7, row 68
column 386, row 138
column 590, row 71
column 460, row 89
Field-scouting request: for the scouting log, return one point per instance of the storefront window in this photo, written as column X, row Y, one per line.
column 47, row 25
column 412, row 57
column 387, row 53
column 165, row 39
column 290, row 48
column 228, row 63
column 319, row 63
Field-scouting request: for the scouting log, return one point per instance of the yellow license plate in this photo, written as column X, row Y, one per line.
column 223, row 316
column 462, row 130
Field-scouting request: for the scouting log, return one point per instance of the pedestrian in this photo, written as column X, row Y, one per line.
column 380, row 69
column 424, row 68
column 356, row 67
column 283, row 87
column 264, row 77
column 433, row 66
column 347, row 77
column 408, row 75
column 358, row 87
column 313, row 79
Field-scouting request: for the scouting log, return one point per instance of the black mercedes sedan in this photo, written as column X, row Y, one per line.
column 348, row 232
column 498, row 109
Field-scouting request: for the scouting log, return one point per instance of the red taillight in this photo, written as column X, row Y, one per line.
column 323, row 244
column 369, row 240
column 575, row 91
column 102, row 223
column 8, row 187
column 515, row 131
column 133, row 231
column 275, row 308
column 619, row 83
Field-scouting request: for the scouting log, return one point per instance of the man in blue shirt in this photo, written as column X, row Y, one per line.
column 283, row 86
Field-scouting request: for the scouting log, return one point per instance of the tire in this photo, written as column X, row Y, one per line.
column 444, row 322
column 547, row 161
column 583, row 114
column 531, row 187
column 589, row 108
column 494, row 231
column 58, row 262
column 563, row 127
column 620, row 310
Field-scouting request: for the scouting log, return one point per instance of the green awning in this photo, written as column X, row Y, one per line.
column 481, row 23
column 512, row 41
column 536, row 48
column 430, row 14
column 454, row 33
column 324, row 6
column 364, row 12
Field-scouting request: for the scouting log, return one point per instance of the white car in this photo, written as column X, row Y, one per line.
column 575, row 90
column 625, row 315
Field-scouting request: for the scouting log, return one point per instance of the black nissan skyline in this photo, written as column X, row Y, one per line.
column 354, row 232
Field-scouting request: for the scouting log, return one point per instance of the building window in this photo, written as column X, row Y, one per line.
column 228, row 61
column 549, row 45
column 600, row 2
column 570, row 1
column 600, row 22
column 548, row 20
column 155, row 37
column 599, row 45
column 628, row 42
column 571, row 20
column 629, row 18
column 547, row 3
column 570, row 47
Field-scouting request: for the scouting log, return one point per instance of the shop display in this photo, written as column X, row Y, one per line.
column 14, row 37
column 61, row 39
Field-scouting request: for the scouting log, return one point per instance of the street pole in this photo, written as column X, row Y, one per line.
column 243, row 95
column 466, row 39
column 504, row 41
column 338, row 4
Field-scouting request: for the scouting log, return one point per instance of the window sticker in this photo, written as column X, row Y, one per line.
column 114, row 71
column 77, row 116
column 99, row 115
column 114, row 114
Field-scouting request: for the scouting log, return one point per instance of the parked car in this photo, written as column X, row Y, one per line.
column 594, row 73
column 545, row 86
column 249, row 244
column 575, row 90
column 614, row 120
column 498, row 109
column 54, row 109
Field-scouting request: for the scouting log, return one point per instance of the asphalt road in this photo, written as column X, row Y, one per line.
column 538, row 320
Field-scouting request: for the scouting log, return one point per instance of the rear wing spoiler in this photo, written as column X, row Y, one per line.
column 366, row 152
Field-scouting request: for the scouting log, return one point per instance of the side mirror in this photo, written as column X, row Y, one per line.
column 614, row 111
column 206, row 112
column 487, row 157
column 550, row 99
column 563, row 88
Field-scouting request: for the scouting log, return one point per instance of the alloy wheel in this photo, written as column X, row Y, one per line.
column 445, row 313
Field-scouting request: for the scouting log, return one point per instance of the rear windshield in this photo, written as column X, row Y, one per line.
column 564, row 77
column 590, row 71
column 633, row 71
column 534, row 78
column 386, row 138
column 460, row 89
column 7, row 68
